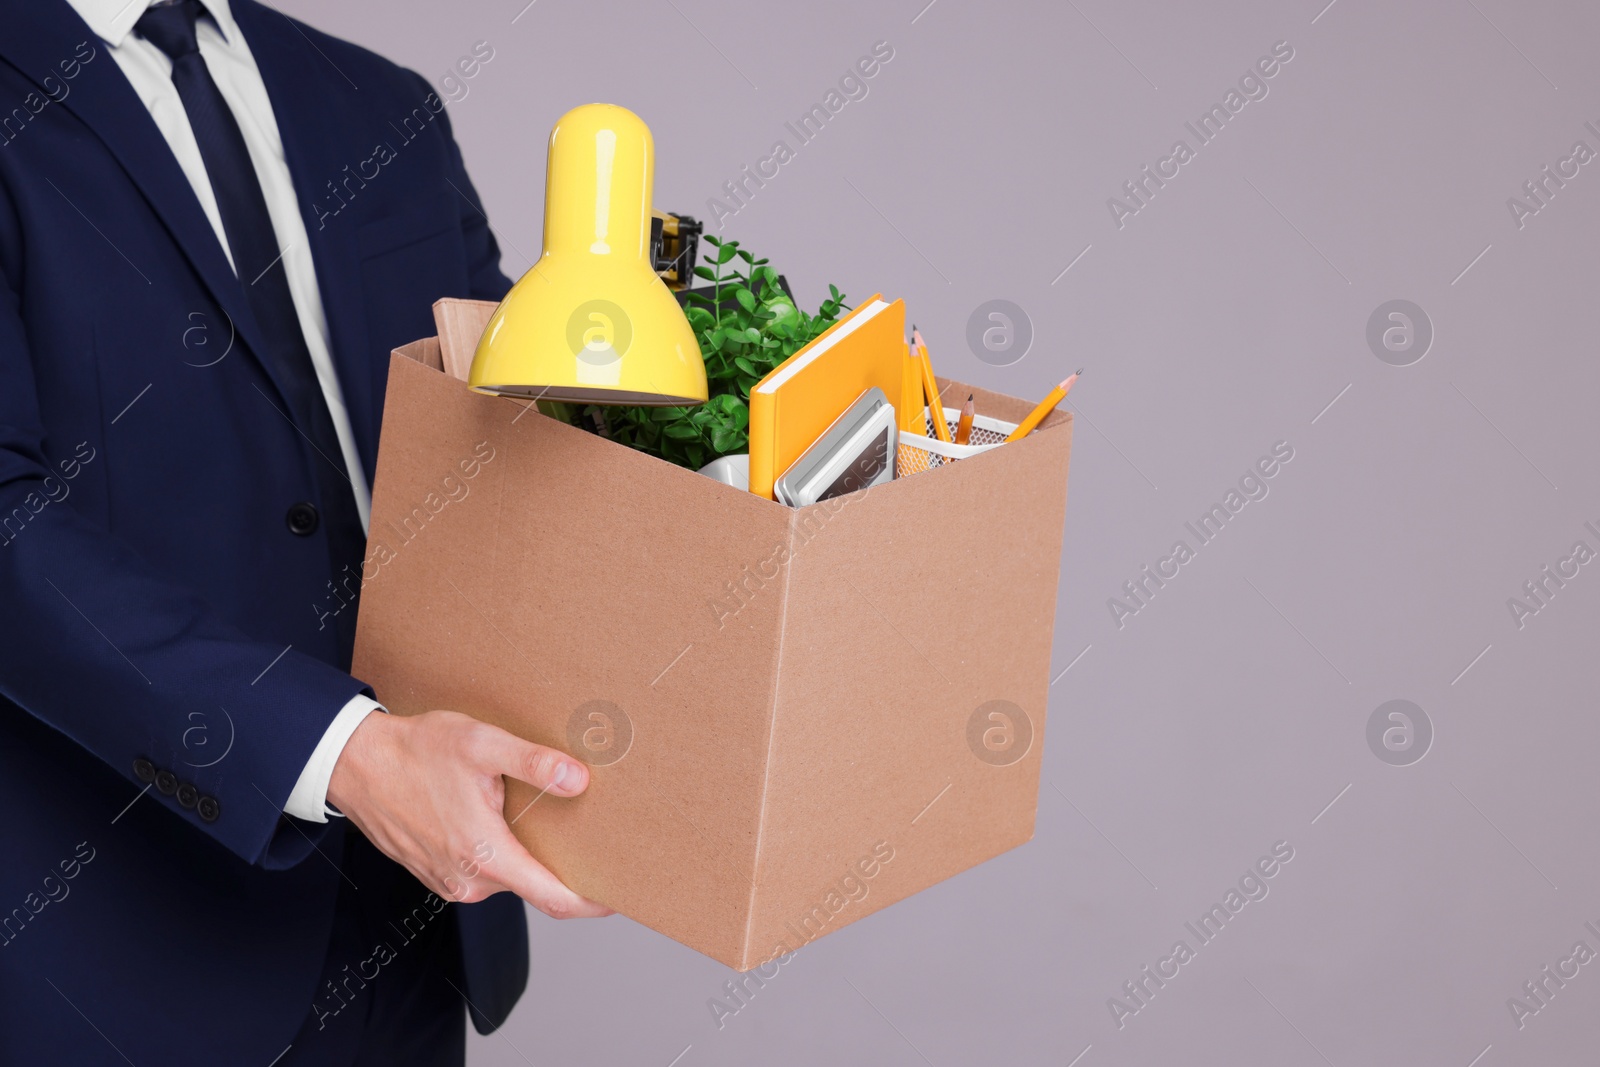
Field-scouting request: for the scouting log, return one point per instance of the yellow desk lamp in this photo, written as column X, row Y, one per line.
column 592, row 322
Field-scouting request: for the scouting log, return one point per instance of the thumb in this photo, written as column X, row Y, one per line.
column 544, row 768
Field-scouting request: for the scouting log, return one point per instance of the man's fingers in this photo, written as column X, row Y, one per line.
column 508, row 864
column 525, row 876
column 541, row 767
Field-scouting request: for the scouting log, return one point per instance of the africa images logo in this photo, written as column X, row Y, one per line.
column 1141, row 189
column 1251, row 887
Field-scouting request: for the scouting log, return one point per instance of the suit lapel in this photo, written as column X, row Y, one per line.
column 302, row 82
column 36, row 37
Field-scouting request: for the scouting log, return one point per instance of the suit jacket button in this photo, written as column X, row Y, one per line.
column 166, row 783
column 302, row 519
column 188, row 795
column 209, row 809
column 144, row 770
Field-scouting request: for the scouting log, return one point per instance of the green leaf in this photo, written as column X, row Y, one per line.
column 745, row 330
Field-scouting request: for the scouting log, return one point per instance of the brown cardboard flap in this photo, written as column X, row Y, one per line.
column 425, row 352
column 460, row 324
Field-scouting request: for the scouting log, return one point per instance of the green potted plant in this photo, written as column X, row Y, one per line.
column 746, row 325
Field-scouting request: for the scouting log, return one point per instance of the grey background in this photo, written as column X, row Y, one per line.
column 1222, row 318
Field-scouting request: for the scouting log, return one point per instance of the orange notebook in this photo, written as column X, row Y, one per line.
column 792, row 406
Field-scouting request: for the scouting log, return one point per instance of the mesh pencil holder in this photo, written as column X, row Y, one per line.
column 923, row 453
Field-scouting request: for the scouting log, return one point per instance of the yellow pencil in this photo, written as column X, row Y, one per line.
column 964, row 426
column 930, row 388
column 1046, row 406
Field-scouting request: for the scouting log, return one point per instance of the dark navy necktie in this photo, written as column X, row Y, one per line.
column 258, row 261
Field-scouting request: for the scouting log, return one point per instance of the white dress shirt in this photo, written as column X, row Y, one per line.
column 227, row 55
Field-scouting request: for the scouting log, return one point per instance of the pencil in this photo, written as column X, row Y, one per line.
column 1045, row 407
column 930, row 388
column 964, row 427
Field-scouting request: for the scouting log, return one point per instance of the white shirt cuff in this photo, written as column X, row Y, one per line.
column 308, row 799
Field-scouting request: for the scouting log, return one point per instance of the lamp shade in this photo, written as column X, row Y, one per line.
column 592, row 322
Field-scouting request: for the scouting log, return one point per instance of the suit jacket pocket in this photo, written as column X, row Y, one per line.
column 394, row 232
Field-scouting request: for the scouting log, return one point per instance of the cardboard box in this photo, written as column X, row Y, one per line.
column 794, row 717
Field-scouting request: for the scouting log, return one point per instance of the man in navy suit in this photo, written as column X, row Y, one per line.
column 215, row 223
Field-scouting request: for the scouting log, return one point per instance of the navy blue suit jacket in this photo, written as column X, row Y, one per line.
column 154, row 603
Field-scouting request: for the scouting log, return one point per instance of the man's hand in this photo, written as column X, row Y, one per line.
column 428, row 790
